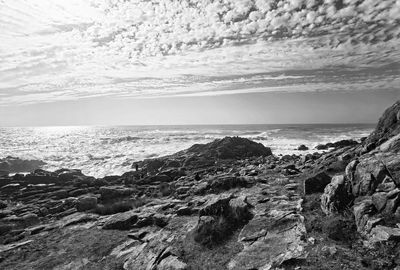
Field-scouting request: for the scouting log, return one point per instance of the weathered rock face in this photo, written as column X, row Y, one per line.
column 365, row 175
column 316, row 183
column 220, row 217
column 336, row 196
column 388, row 126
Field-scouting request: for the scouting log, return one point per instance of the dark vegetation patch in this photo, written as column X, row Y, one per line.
column 118, row 207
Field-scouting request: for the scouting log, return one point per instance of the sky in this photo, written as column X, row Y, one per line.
column 114, row 62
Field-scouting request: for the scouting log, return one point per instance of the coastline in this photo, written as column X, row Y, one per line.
column 227, row 204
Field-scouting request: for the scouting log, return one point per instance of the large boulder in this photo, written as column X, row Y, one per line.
column 316, row 183
column 336, row 196
column 365, row 175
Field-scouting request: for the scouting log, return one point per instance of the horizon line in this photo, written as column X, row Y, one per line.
column 170, row 125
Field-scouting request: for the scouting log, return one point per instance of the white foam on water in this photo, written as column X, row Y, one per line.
column 100, row 151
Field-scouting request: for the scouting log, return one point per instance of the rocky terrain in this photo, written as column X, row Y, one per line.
column 229, row 204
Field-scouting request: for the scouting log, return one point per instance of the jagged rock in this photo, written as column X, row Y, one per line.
column 269, row 249
column 379, row 200
column 365, row 175
column 220, row 218
column 392, row 145
column 121, row 221
column 393, row 202
column 86, row 203
column 388, row 126
column 363, row 214
column 383, row 234
column 336, row 196
column 316, row 183
column 113, row 192
column 172, row 263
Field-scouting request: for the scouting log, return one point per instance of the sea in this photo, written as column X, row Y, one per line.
column 99, row 150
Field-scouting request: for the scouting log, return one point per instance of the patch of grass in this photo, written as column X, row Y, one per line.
column 118, row 207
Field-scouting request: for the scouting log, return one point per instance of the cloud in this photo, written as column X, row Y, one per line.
column 71, row 49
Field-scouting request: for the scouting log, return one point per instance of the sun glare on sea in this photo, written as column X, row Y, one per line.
column 60, row 130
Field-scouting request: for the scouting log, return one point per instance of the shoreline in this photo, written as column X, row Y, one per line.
column 228, row 204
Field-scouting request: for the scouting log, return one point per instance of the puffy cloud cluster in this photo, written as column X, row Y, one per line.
column 68, row 49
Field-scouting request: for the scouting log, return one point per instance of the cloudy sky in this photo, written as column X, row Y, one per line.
column 190, row 62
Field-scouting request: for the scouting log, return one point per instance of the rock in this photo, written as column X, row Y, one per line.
column 153, row 165
column 121, row 221
column 363, row 213
column 336, row 196
column 230, row 148
column 321, row 147
column 393, row 202
column 383, row 234
column 184, row 211
column 316, row 183
column 379, row 200
column 113, row 192
column 172, row 263
column 220, row 218
column 387, row 127
column 302, row 148
column 86, row 203
column 344, row 143
column 365, row 175
column 392, row 145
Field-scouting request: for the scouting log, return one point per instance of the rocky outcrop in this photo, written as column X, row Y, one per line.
column 336, row 196
column 388, row 127
column 230, row 148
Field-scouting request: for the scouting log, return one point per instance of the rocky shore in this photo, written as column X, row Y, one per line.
column 228, row 204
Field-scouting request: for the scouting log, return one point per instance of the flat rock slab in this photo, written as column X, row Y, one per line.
column 4, row 248
column 283, row 241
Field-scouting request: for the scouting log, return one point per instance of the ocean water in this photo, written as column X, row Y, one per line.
column 100, row 151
